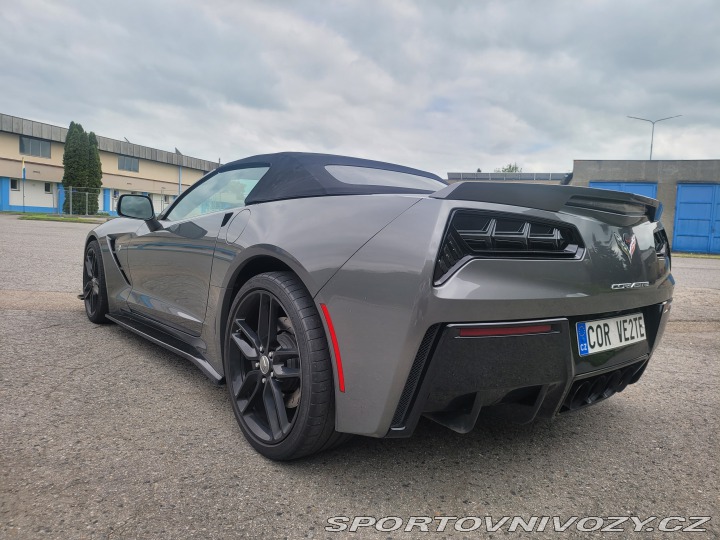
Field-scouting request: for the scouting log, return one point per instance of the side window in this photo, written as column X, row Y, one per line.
column 222, row 191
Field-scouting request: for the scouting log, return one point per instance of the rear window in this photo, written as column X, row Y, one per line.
column 365, row 176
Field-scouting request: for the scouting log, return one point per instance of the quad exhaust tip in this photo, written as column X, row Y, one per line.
column 593, row 389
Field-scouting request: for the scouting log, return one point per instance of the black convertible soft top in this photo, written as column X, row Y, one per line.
column 298, row 174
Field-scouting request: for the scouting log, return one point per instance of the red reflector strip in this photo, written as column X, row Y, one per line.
column 489, row 331
column 336, row 347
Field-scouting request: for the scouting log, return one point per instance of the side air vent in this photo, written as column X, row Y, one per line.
column 662, row 244
column 483, row 235
column 111, row 245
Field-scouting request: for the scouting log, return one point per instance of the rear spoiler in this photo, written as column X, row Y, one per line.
column 554, row 198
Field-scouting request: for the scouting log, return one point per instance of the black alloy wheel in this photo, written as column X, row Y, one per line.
column 277, row 368
column 94, row 293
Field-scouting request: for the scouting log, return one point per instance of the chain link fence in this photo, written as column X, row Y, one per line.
column 82, row 201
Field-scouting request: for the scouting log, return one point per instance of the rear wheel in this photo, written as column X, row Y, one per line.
column 94, row 291
column 278, row 370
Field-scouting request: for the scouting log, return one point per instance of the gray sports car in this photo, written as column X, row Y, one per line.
column 335, row 295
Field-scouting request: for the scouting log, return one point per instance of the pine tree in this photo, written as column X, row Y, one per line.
column 75, row 163
column 94, row 174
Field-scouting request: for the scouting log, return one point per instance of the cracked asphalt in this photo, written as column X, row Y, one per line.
column 104, row 435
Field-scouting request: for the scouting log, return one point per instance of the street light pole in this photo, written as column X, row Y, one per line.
column 653, row 122
column 179, row 171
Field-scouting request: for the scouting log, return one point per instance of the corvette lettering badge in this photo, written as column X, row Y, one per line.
column 627, row 244
column 636, row 285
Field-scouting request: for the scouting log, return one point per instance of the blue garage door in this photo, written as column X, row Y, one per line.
column 648, row 189
column 697, row 218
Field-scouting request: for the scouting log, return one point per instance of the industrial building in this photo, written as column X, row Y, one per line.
column 126, row 167
column 688, row 189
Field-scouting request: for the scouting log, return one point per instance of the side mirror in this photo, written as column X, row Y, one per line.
column 135, row 207
column 138, row 207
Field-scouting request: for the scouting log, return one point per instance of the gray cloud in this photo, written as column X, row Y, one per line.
column 438, row 85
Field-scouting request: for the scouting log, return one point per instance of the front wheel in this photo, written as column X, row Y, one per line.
column 94, row 292
column 278, row 370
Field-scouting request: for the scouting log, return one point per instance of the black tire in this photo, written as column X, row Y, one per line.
column 94, row 290
column 279, row 375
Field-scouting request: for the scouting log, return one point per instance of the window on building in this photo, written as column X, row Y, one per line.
column 48, row 187
column 127, row 163
column 31, row 146
column 116, row 193
column 14, row 184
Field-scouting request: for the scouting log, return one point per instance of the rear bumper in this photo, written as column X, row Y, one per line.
column 518, row 377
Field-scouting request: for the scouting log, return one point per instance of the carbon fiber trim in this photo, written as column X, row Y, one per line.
column 414, row 377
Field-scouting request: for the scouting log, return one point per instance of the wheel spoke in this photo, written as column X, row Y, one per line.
column 248, row 390
column 280, row 404
column 275, row 409
column 247, row 350
column 87, row 291
column 272, row 324
column 285, row 354
column 89, row 266
column 267, row 321
column 250, row 336
column 271, row 412
column 281, row 357
column 284, row 372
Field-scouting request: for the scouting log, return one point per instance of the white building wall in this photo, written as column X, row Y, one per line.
column 157, row 201
column 34, row 194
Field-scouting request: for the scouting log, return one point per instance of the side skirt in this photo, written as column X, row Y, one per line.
column 168, row 342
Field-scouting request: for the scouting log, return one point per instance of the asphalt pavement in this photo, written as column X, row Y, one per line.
column 104, row 435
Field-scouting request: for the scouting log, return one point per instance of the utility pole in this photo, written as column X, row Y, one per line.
column 179, row 171
column 23, row 183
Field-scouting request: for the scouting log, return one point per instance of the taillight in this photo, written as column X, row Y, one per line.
column 473, row 234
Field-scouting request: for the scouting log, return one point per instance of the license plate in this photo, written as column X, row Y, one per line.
column 607, row 334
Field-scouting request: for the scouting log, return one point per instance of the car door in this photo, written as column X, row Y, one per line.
column 171, row 266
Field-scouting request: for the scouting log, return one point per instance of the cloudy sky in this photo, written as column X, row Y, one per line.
column 439, row 85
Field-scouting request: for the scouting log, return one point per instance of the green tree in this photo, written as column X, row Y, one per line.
column 75, row 164
column 509, row 168
column 94, row 174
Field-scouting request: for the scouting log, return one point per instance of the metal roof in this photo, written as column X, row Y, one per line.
column 30, row 128
column 517, row 177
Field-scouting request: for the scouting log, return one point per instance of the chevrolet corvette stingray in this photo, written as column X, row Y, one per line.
column 336, row 295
